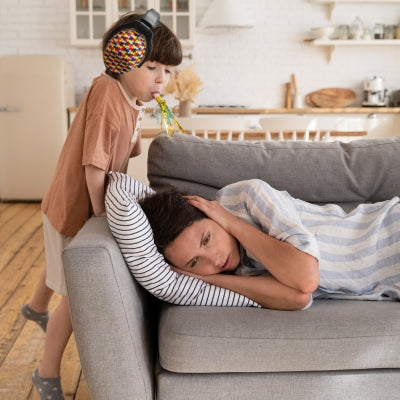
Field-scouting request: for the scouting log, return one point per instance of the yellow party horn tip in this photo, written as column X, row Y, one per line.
column 167, row 119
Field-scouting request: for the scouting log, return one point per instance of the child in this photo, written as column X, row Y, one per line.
column 139, row 53
column 277, row 250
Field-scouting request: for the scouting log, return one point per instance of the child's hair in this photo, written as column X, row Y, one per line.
column 166, row 47
column 169, row 214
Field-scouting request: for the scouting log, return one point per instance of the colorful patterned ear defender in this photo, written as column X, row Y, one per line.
column 130, row 44
column 125, row 51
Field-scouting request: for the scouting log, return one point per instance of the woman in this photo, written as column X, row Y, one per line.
column 278, row 250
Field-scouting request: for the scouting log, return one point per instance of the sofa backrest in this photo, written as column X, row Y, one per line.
column 318, row 172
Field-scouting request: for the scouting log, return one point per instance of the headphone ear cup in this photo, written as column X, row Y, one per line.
column 126, row 50
column 130, row 45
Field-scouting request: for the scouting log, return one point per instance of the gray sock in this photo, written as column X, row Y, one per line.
column 40, row 318
column 48, row 388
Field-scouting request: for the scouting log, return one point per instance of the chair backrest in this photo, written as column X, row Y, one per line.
column 347, row 129
column 312, row 128
column 221, row 127
column 290, row 128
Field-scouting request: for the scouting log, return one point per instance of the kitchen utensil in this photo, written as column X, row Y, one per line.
column 333, row 97
column 375, row 94
column 297, row 101
column 308, row 100
column 294, row 83
column 288, row 98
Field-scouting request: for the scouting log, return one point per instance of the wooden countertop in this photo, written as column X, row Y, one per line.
column 310, row 110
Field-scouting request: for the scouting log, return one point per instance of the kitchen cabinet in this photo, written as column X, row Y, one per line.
column 89, row 19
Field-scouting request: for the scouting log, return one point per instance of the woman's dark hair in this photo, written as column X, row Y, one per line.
column 169, row 214
column 166, row 48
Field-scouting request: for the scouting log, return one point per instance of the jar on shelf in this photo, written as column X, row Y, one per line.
column 343, row 32
column 398, row 32
column 357, row 28
column 379, row 31
column 367, row 34
column 390, row 31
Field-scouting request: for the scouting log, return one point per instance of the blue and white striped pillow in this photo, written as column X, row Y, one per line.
column 132, row 231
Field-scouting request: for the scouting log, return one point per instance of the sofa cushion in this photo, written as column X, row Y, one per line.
column 332, row 335
column 319, row 172
column 132, row 232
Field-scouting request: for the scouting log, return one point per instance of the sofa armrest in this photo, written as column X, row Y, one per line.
column 111, row 316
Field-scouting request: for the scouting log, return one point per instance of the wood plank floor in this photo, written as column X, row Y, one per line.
column 21, row 342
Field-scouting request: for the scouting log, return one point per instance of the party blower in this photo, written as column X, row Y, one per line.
column 167, row 119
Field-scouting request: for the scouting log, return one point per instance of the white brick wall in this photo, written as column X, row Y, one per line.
column 240, row 67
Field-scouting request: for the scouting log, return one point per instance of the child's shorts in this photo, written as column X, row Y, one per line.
column 54, row 244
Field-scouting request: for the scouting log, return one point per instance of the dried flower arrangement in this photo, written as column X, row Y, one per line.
column 185, row 84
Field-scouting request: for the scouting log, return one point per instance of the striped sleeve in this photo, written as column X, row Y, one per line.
column 134, row 236
column 270, row 210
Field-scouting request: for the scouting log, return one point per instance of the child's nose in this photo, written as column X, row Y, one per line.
column 161, row 77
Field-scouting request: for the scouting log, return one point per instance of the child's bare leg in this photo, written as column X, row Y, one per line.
column 42, row 295
column 58, row 332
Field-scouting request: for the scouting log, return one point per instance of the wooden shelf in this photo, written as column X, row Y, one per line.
column 331, row 44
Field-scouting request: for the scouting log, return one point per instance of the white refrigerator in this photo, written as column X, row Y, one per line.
column 35, row 93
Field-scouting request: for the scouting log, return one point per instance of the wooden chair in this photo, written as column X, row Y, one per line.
column 312, row 128
column 290, row 128
column 219, row 128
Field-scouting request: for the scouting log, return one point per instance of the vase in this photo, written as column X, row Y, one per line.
column 185, row 108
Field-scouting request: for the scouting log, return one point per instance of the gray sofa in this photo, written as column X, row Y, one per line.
column 133, row 347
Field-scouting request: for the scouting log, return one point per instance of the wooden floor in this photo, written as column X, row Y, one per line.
column 21, row 342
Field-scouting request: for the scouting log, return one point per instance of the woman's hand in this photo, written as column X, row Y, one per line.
column 214, row 211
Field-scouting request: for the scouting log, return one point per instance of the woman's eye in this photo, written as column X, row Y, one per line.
column 206, row 239
column 168, row 71
column 193, row 263
column 151, row 68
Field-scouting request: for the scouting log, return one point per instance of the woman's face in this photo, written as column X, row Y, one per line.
column 204, row 248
